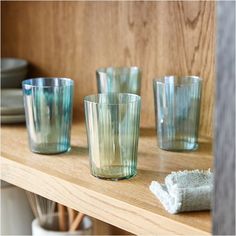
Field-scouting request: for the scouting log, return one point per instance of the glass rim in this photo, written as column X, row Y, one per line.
column 69, row 81
column 88, row 98
column 100, row 69
column 196, row 78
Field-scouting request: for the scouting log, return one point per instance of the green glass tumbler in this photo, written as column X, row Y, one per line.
column 119, row 80
column 177, row 109
column 48, row 106
column 112, row 122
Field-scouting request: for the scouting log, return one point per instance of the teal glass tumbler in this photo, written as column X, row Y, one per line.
column 48, row 106
column 119, row 80
column 177, row 110
column 112, row 122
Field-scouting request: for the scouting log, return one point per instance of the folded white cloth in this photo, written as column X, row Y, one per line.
column 185, row 191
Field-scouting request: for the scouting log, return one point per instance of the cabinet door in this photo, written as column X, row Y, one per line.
column 224, row 200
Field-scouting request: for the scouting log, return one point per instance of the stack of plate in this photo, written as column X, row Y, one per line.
column 13, row 71
column 12, row 106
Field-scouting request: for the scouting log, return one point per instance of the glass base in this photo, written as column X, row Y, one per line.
column 114, row 173
column 178, row 146
column 50, row 149
column 114, row 179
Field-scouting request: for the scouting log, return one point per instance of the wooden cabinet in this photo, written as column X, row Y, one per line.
column 72, row 39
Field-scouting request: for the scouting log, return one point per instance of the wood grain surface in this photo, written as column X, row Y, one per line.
column 102, row 228
column 127, row 204
column 72, row 39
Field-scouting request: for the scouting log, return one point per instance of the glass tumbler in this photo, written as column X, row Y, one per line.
column 119, row 80
column 112, row 122
column 177, row 109
column 48, row 106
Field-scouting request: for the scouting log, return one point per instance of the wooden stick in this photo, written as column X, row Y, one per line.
column 61, row 214
column 71, row 216
column 76, row 222
column 74, row 213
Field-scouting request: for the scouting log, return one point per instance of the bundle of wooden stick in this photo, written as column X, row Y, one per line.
column 69, row 219
column 74, row 218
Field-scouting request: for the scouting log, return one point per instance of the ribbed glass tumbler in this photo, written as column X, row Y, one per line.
column 48, row 109
column 119, row 80
column 177, row 108
column 112, row 122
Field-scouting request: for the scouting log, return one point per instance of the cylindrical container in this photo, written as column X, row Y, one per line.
column 119, row 80
column 177, row 108
column 38, row 230
column 112, row 122
column 16, row 214
column 48, row 106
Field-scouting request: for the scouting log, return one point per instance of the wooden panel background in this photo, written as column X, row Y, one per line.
column 72, row 39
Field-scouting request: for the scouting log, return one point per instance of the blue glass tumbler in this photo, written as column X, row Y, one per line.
column 177, row 109
column 119, row 80
column 112, row 122
column 48, row 106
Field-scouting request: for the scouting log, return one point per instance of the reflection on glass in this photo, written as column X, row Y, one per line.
column 48, row 108
column 112, row 122
column 177, row 108
column 119, row 80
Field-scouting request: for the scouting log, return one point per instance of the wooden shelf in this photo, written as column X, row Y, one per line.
column 127, row 204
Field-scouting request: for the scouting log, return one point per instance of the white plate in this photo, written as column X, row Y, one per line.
column 12, row 64
column 12, row 119
column 12, row 102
